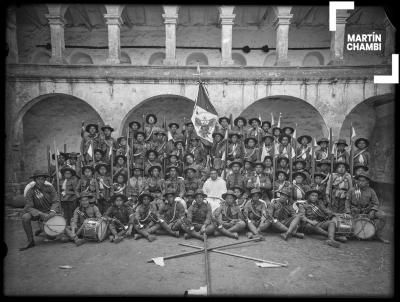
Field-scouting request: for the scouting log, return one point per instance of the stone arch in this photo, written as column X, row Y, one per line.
column 174, row 107
column 374, row 119
column 81, row 58
column 125, row 58
column 47, row 117
column 195, row 57
column 270, row 59
column 157, row 58
column 41, row 57
column 313, row 58
column 294, row 110
column 239, row 59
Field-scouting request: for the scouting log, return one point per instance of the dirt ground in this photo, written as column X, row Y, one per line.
column 357, row 268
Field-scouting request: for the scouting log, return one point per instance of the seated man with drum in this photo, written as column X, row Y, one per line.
column 363, row 205
column 42, row 203
column 316, row 218
column 85, row 211
column 120, row 215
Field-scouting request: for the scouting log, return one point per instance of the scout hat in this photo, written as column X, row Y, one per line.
column 143, row 194
column 171, row 167
column 122, row 173
column 151, row 151
column 299, row 173
column 268, row 135
column 194, row 137
column 149, row 115
column 322, row 140
column 189, row 154
column 107, row 127
column 246, row 141
column 169, row 191
column 259, row 163
column 299, row 161
column 179, row 139
column 114, row 197
column 134, row 122
column 284, row 135
column 234, row 133
column 120, row 156
column 38, row 173
column 284, row 191
column 73, row 154
column 290, row 128
column 188, row 123
column 173, row 123
column 360, row 165
column 247, row 160
column 235, row 121
column 173, row 153
column 139, row 132
column 238, row 187
column 324, row 162
column 283, row 172
column 255, row 119
column 312, row 191
column 228, row 192
column 156, row 166
column 300, row 138
column 88, row 126
column 336, row 164
column 85, row 167
column 218, row 132
column 200, row 192
column 361, row 139
column 341, row 141
column 65, row 155
column 98, row 150
column 266, row 122
column 235, row 162
column 255, row 191
column 280, row 158
column 120, row 138
column 189, row 193
column 136, row 167
column 102, row 164
column 363, row 174
column 224, row 118
column 65, row 169
column 322, row 175
column 86, row 194
column 276, row 128
column 270, row 157
column 189, row 168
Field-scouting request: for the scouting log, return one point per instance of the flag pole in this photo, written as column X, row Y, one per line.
column 351, row 163
column 331, row 176
column 312, row 159
column 127, row 161
column 58, row 179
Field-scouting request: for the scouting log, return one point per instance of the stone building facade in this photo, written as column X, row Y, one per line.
column 112, row 63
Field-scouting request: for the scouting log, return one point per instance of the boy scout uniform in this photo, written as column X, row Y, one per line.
column 68, row 196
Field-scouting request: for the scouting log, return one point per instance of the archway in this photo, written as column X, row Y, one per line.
column 313, row 58
column 157, row 58
column 174, row 107
column 197, row 57
column 294, row 110
column 81, row 58
column 56, row 116
column 374, row 119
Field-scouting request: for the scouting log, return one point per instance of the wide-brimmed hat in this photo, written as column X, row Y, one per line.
column 114, row 197
column 299, row 161
column 160, row 131
column 169, row 191
column 281, row 171
column 266, row 122
column 201, row 192
column 139, row 132
column 247, row 160
column 224, row 118
column 360, row 165
column 173, row 123
column 233, row 133
column 276, row 128
column 254, row 119
column 218, row 132
column 284, row 135
column 341, row 141
column 258, row 163
column 137, row 167
column 173, row 153
column 190, row 168
column 309, row 139
column 189, row 193
column 92, row 125
column 171, row 167
column 120, row 156
column 313, row 191
column 235, row 162
column 285, row 191
column 179, row 139
column 287, row 127
column 238, row 187
column 123, row 174
column 268, row 135
column 337, row 163
column 86, row 194
column 102, row 164
column 269, row 157
column 361, row 139
column 228, row 192
column 65, row 155
column 107, row 127
column 322, row 175
column 324, row 162
column 322, row 140
column 235, row 121
column 151, row 151
column 363, row 174
column 255, row 191
column 85, row 167
column 190, row 154
column 143, row 194
column 38, row 173
column 98, row 150
column 195, row 137
column 73, row 155
column 246, row 141
column 149, row 115
column 280, row 158
column 299, row 173
column 135, row 122
column 120, row 138
column 65, row 169
column 156, row 166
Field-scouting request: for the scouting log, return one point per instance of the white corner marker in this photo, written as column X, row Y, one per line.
column 390, row 79
column 333, row 7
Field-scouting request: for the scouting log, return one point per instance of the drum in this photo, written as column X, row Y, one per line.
column 363, row 227
column 95, row 229
column 344, row 226
column 55, row 225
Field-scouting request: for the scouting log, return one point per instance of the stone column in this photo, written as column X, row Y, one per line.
column 390, row 41
column 57, row 22
column 226, row 17
column 170, row 19
column 281, row 25
column 11, row 35
column 337, row 38
column 114, row 21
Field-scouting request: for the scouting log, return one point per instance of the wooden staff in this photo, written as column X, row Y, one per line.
column 332, row 159
column 206, row 264
column 65, row 148
column 273, row 174
column 351, row 163
column 112, row 173
column 290, row 169
column 295, row 143
column 58, row 179
column 143, row 123
column 259, row 142
column 164, row 148
column 48, row 160
column 127, row 160
column 312, row 160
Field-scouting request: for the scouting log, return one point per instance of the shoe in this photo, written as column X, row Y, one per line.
column 177, row 234
column 333, row 243
column 111, row 238
column 341, row 239
column 298, row 235
column 136, row 236
column 30, row 244
column 38, row 232
column 186, row 236
column 284, row 236
column 79, row 242
column 235, row 235
column 64, row 239
column 151, row 238
column 118, row 239
column 249, row 235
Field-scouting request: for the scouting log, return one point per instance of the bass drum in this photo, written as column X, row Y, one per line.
column 363, row 227
column 54, row 226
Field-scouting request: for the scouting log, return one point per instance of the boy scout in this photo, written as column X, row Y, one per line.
column 191, row 182
column 323, row 152
column 362, row 156
column 90, row 137
column 197, row 150
column 299, row 187
column 171, row 214
column 260, row 180
column 217, row 150
column 235, row 178
column 255, row 214
column 235, row 148
column 338, row 185
column 134, row 126
column 255, row 130
column 107, row 142
column 281, row 183
column 240, row 126
column 251, row 152
column 105, row 184
column 151, row 120
column 145, row 222
column 137, row 183
column 68, row 197
column 303, row 152
column 341, row 154
column 88, row 183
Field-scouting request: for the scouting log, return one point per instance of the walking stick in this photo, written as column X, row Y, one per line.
column 312, row 160
column 351, row 163
column 291, row 171
column 273, row 175
column 112, row 176
column 331, row 155
column 127, row 162
column 65, row 148
column 48, row 160
column 58, row 179
column 206, row 264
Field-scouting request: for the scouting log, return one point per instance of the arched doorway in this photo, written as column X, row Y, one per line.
column 374, row 119
column 174, row 107
column 56, row 116
column 294, row 110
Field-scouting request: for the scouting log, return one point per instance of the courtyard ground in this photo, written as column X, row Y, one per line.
column 357, row 268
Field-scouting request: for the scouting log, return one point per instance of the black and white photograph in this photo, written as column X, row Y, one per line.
column 203, row 150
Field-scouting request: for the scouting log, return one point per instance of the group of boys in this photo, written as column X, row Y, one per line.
column 159, row 180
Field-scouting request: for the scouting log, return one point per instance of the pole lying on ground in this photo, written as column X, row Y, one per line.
column 210, row 249
column 206, row 264
column 235, row 255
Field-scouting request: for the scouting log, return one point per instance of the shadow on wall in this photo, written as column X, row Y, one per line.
column 294, row 110
column 59, row 117
column 174, row 107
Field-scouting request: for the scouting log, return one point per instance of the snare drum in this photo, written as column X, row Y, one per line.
column 344, row 226
column 95, row 229
column 55, row 225
column 363, row 227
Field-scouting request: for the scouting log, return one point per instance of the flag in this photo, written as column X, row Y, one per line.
column 279, row 120
column 333, row 148
column 294, row 133
column 263, row 153
column 90, row 151
column 272, row 120
column 353, row 132
column 169, row 135
column 259, row 117
column 204, row 117
column 111, row 149
column 313, row 146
